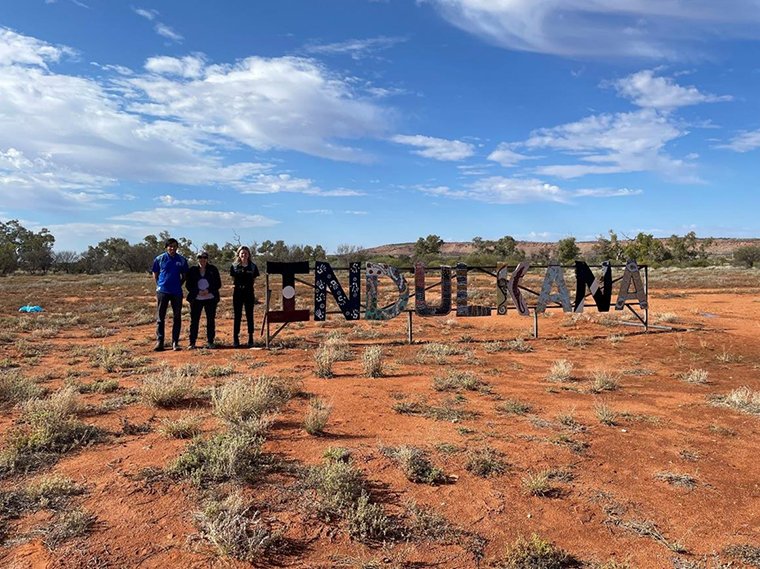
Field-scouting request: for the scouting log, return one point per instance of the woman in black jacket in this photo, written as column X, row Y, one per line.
column 203, row 284
column 243, row 272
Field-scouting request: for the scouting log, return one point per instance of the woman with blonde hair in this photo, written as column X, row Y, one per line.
column 243, row 272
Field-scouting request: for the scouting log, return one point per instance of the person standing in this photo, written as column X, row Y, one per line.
column 203, row 284
column 169, row 271
column 243, row 272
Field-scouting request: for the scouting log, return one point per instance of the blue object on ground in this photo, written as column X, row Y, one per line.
column 30, row 308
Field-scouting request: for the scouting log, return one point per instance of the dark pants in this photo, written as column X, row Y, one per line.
column 239, row 300
column 162, row 303
column 196, row 307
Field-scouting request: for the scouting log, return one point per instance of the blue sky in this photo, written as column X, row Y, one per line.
column 369, row 122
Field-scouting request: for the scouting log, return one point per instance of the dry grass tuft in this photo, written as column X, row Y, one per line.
column 186, row 427
column 317, row 416
column 372, row 361
column 742, row 399
column 561, row 371
column 602, row 380
column 695, row 376
column 247, row 400
column 167, row 388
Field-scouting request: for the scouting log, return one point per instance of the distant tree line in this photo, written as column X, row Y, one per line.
column 24, row 250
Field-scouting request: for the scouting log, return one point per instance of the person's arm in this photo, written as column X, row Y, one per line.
column 183, row 273
column 217, row 280
column 155, row 270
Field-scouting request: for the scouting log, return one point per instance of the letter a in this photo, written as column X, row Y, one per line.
column 631, row 275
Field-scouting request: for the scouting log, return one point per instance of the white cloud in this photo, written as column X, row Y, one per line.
column 190, row 66
column 165, row 31
column 315, row 211
column 355, row 212
column 19, row 49
column 187, row 217
column 64, row 139
column 171, row 200
column 266, row 103
column 743, row 142
column 657, row 29
column 649, row 91
column 146, row 13
column 505, row 156
column 614, row 143
column 502, row 190
column 436, row 148
column 356, row 48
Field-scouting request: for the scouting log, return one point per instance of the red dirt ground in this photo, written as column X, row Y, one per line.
column 664, row 425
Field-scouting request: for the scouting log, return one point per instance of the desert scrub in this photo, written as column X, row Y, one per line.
column 372, row 361
column 560, row 371
column 514, row 407
column 99, row 386
column 317, row 415
column 15, row 388
column 742, row 399
column 460, row 381
column 324, row 358
column 602, row 380
column 605, row 414
column 74, row 523
column 539, row 484
column 416, row 465
column 338, row 345
column 219, row 371
column 535, row 553
column 167, row 388
column 437, row 353
column 677, row 479
column 53, row 491
column 367, row 521
column 185, row 427
column 337, row 454
column 337, row 487
column 695, row 376
column 116, row 358
column 519, row 345
column 234, row 530
column 224, row 456
column 485, row 462
column 49, row 427
column 246, row 400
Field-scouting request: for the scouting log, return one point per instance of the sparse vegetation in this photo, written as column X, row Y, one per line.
column 116, row 358
column 234, row 529
column 74, row 523
column 324, row 358
column 485, row 462
column 167, row 388
column 677, row 479
column 16, row 388
column 695, row 376
column 372, row 361
column 560, row 371
column 317, row 416
column 185, row 427
column 248, row 400
column 416, row 465
column 535, row 553
column 224, row 456
column 514, row 407
column 602, row 380
column 605, row 414
column 538, row 484
column 459, row 381
column 742, row 399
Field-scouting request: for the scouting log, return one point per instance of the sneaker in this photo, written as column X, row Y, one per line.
column 210, row 346
column 159, row 347
column 249, row 344
column 191, row 347
column 236, row 343
column 175, row 346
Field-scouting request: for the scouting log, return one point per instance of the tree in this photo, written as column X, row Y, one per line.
column 428, row 246
column 747, row 256
column 608, row 249
column 645, row 248
column 347, row 253
column 66, row 261
column 688, row 248
column 567, row 250
column 23, row 249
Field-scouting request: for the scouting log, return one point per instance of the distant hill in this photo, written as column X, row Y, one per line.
column 720, row 247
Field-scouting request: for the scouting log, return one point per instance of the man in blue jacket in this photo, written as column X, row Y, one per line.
column 169, row 271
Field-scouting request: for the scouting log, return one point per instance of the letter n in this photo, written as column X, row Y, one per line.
column 602, row 293
column 325, row 279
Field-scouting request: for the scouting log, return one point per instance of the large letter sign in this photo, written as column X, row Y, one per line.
column 463, row 309
column 325, row 280
column 421, row 307
column 602, row 293
column 554, row 276
column 375, row 270
column 631, row 276
column 288, row 272
column 514, row 289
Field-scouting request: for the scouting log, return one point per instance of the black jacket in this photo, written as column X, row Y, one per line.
column 242, row 277
column 212, row 276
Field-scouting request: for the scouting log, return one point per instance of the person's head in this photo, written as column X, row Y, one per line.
column 243, row 255
column 171, row 245
column 203, row 258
